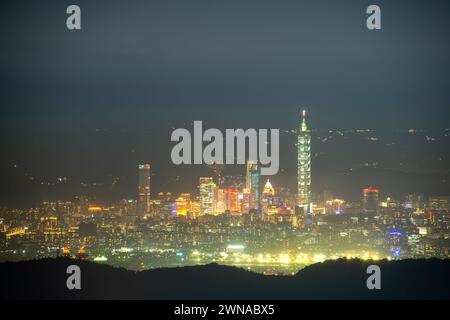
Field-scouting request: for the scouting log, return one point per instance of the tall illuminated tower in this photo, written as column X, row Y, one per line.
column 207, row 202
column 255, row 175
column 248, row 174
column 304, row 165
column 370, row 200
column 144, row 203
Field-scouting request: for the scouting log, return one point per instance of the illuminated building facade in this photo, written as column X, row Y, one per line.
column 248, row 174
column 246, row 200
column 439, row 203
column 144, row 202
column 232, row 202
column 268, row 190
column 219, row 201
column 256, row 175
column 370, row 200
column 268, row 199
column 195, row 209
column 304, row 165
column 334, row 206
column 183, row 204
column 207, row 187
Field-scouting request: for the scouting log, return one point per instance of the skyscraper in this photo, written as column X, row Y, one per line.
column 219, row 201
column 268, row 190
column 268, row 195
column 439, row 203
column 144, row 202
column 304, row 165
column 246, row 200
column 248, row 174
column 255, row 174
column 183, row 204
column 232, row 202
column 206, row 187
column 370, row 200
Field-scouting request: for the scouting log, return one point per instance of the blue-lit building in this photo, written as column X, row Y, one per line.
column 256, row 177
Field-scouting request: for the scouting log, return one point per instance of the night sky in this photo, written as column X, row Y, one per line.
column 90, row 105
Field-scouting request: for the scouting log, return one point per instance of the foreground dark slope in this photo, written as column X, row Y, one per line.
column 341, row 279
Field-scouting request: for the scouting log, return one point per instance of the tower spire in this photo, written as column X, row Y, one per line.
column 304, row 127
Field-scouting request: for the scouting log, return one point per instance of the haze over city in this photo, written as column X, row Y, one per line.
column 87, row 117
column 90, row 106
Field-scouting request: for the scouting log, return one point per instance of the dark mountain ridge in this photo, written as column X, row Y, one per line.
column 340, row 279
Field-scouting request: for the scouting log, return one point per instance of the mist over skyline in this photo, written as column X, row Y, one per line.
column 93, row 104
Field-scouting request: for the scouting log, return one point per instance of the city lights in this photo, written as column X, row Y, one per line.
column 245, row 220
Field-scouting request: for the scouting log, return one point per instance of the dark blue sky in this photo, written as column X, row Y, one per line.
column 139, row 68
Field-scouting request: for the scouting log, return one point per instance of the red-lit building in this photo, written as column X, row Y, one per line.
column 232, row 200
column 370, row 200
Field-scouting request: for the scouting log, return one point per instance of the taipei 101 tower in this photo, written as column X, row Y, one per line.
column 304, row 166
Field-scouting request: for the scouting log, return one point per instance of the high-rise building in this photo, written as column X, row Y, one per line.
column 232, row 202
column 207, row 187
column 268, row 197
column 219, row 201
column 144, row 202
column 439, row 203
column 246, row 201
column 370, row 200
column 183, row 204
column 195, row 208
column 256, row 174
column 268, row 189
column 334, row 206
column 248, row 174
column 416, row 201
column 304, row 165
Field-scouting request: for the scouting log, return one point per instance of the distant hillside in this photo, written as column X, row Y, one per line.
column 341, row 279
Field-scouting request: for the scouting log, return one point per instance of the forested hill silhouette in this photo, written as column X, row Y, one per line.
column 340, row 279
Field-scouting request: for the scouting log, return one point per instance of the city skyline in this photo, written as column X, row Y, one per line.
column 123, row 234
column 425, row 157
column 210, row 150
